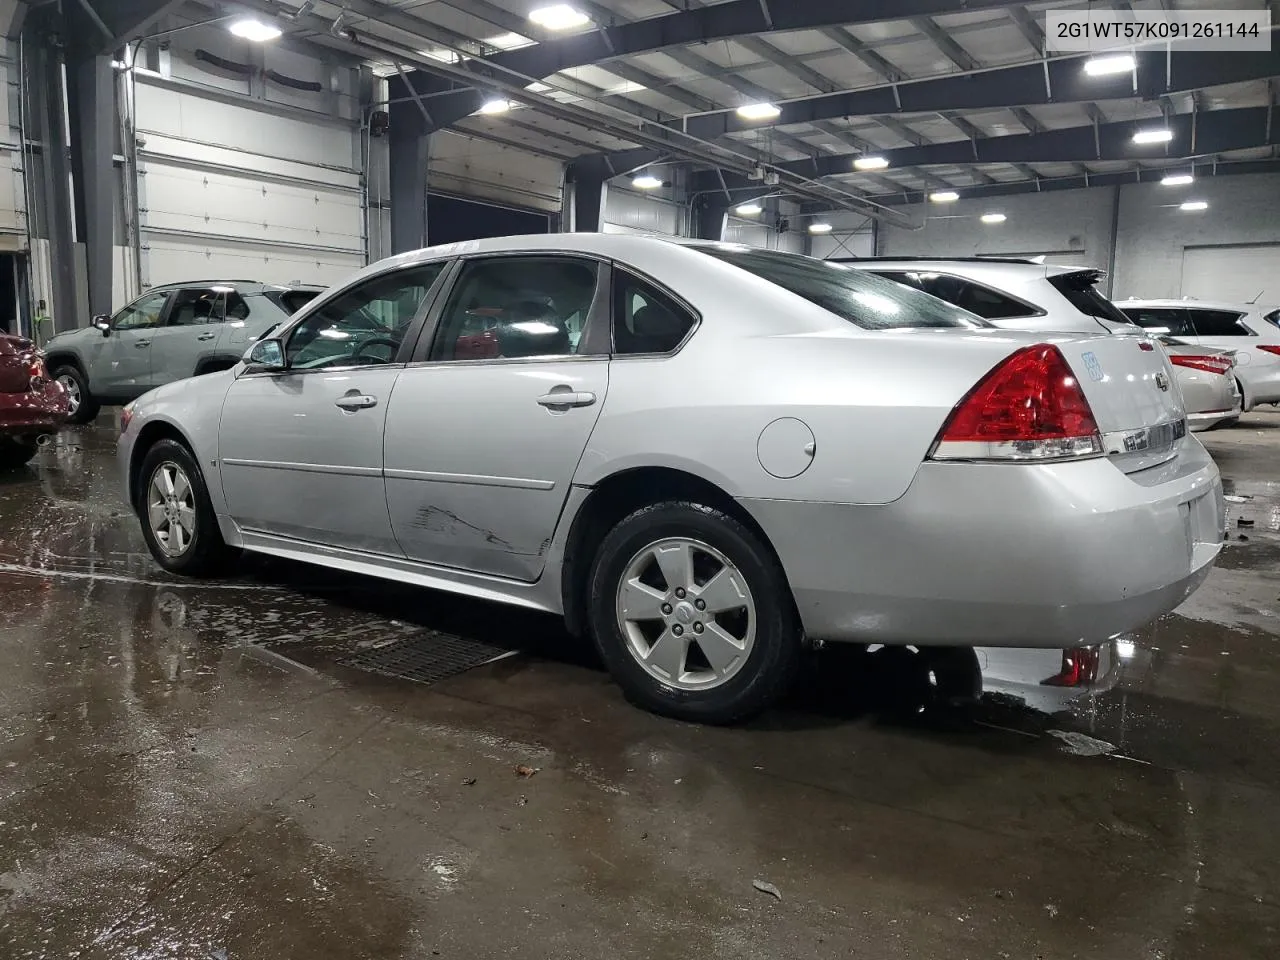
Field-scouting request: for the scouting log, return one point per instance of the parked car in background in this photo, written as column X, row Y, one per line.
column 1025, row 295
column 702, row 454
column 31, row 403
column 169, row 333
column 1251, row 331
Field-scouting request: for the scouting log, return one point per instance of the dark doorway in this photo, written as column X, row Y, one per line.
column 11, row 312
column 450, row 219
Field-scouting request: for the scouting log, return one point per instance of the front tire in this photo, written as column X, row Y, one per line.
column 177, row 516
column 83, row 407
column 692, row 614
column 16, row 453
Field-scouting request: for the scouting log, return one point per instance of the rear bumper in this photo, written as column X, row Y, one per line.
column 39, row 411
column 1007, row 555
column 1261, row 382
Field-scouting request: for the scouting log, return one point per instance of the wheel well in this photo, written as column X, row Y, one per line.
column 54, row 360
column 616, row 497
column 151, row 434
column 214, row 364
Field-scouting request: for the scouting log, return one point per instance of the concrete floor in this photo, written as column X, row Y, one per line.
column 185, row 773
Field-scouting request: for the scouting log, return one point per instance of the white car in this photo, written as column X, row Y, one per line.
column 1018, row 294
column 1251, row 331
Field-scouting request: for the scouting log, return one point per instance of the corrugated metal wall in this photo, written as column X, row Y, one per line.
column 629, row 212
column 464, row 165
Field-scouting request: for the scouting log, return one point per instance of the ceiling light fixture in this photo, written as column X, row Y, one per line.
column 1153, row 136
column 1178, row 180
column 751, row 209
column 646, row 181
column 254, row 30
column 819, row 228
column 870, row 163
column 759, row 111
column 944, row 196
column 497, row 105
column 559, row 16
column 1193, row 206
column 1105, row 66
column 994, row 218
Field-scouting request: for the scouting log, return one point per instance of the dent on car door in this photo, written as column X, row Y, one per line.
column 122, row 364
column 483, row 437
column 301, row 449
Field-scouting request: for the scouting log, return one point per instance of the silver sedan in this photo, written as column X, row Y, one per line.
column 704, row 455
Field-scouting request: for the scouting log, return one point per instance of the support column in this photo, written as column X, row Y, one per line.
column 590, row 185
column 709, row 216
column 55, row 175
column 92, row 110
column 409, row 145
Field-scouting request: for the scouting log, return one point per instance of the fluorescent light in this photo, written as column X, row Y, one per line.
column 1193, row 205
column 444, row 56
column 759, row 111
column 1105, row 66
column 819, row 228
column 1178, row 180
column 994, row 218
column 559, row 16
column 255, row 30
column 1153, row 136
column 751, row 209
column 944, row 196
column 646, row 181
column 870, row 163
column 508, row 41
column 1125, row 649
column 496, row 106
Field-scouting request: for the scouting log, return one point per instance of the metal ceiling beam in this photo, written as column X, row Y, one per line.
column 1213, row 131
column 863, row 52
column 1029, row 27
column 1022, row 85
column 943, row 41
column 1027, row 119
column 125, row 20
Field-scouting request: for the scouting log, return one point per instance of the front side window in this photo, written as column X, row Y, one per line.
column 646, row 320
column 363, row 325
column 1171, row 320
column 1218, row 323
column 975, row 297
column 142, row 313
column 858, row 296
column 517, row 307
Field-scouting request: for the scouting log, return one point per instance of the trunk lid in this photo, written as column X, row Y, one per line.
column 1132, row 389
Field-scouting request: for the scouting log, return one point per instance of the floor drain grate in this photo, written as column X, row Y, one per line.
column 427, row 658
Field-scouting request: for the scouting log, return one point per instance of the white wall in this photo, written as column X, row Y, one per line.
column 851, row 236
column 626, row 211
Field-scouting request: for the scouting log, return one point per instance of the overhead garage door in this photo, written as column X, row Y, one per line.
column 1232, row 273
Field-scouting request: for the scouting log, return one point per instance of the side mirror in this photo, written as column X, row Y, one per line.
column 266, row 355
column 103, row 323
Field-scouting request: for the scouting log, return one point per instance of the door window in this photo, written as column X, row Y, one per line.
column 646, row 320
column 363, row 325
column 195, row 306
column 142, row 313
column 1218, row 323
column 985, row 302
column 517, row 307
column 1172, row 319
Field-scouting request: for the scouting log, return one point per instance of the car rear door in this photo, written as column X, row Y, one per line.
column 300, row 450
column 189, row 334
column 486, row 427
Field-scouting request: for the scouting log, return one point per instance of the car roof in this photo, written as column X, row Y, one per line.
column 970, row 266
column 241, row 286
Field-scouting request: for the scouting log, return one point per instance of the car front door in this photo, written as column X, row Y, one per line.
column 119, row 367
column 300, row 450
column 485, row 432
column 190, row 332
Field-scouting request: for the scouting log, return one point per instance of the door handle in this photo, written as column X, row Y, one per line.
column 356, row 401
column 566, row 398
column 142, row 343
column 206, row 336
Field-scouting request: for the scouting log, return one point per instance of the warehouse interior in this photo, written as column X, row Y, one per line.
column 206, row 770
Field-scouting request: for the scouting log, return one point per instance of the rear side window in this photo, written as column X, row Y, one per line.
column 1218, row 323
column 975, row 297
column 1078, row 288
column 1171, row 319
column 1273, row 318
column 646, row 320
column 861, row 297
column 291, row 301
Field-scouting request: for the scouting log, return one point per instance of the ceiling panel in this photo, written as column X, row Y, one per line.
column 999, row 44
column 922, row 58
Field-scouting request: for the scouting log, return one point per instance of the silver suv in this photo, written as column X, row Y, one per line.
column 169, row 333
column 1020, row 294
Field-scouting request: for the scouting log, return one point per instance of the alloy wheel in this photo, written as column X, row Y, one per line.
column 687, row 613
column 171, row 508
column 70, row 385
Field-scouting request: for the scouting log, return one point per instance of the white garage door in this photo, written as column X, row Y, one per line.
column 1236, row 274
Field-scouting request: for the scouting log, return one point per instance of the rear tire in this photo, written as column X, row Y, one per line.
column 16, row 453
column 83, row 407
column 693, row 615
column 177, row 515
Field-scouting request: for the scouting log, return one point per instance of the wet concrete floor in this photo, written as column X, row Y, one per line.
column 185, row 772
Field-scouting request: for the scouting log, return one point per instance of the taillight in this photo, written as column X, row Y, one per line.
column 1079, row 668
column 1269, row 348
column 36, row 372
column 1030, row 407
column 126, row 417
column 1209, row 364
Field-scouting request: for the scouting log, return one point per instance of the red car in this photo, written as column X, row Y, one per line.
column 31, row 404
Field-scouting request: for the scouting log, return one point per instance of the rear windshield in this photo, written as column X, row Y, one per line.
column 291, row 301
column 862, row 298
column 1079, row 289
